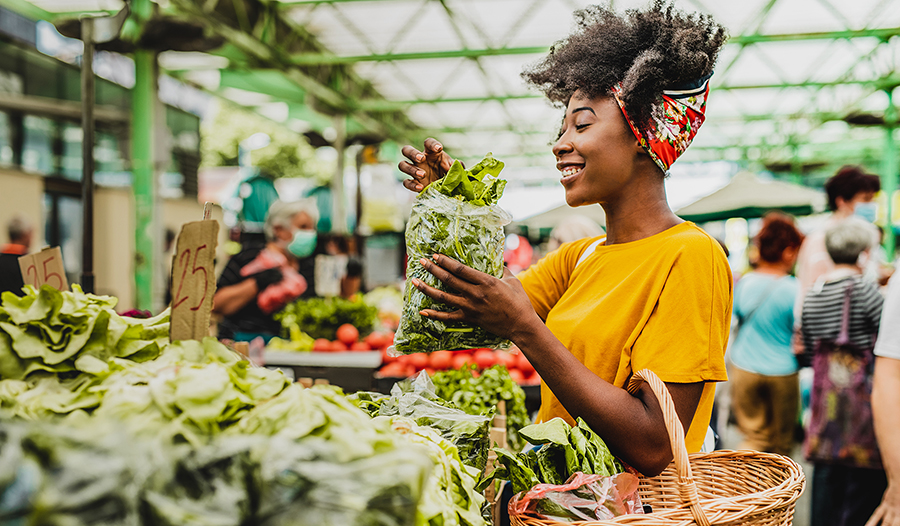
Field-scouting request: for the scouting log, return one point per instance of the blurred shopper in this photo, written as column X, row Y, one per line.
column 20, row 232
column 841, row 315
column 765, row 392
column 259, row 281
column 885, row 394
column 571, row 229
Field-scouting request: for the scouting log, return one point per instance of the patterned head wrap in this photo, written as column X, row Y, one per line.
column 675, row 118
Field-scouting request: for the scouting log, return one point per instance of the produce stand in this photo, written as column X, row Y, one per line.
column 352, row 371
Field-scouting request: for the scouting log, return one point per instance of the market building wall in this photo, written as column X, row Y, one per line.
column 22, row 194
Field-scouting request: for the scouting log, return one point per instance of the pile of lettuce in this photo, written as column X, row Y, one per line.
column 417, row 401
column 189, row 433
column 59, row 332
column 457, row 216
column 480, row 395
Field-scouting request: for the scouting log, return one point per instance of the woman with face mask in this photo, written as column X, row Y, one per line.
column 260, row 280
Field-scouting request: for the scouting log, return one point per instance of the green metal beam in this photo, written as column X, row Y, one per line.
column 28, row 10
column 307, row 59
column 883, row 83
column 889, row 173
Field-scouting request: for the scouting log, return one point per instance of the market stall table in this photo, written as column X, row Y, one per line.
column 352, row 371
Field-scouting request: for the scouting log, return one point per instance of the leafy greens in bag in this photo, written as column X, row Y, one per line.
column 457, row 216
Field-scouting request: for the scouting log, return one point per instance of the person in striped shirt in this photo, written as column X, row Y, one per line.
column 843, row 492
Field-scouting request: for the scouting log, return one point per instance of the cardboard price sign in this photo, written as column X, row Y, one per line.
column 44, row 268
column 193, row 280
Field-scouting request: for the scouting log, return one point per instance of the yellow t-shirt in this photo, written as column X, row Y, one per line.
column 661, row 303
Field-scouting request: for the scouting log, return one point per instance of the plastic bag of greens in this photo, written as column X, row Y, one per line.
column 457, row 216
column 417, row 400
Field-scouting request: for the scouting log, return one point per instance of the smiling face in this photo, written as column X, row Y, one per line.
column 596, row 153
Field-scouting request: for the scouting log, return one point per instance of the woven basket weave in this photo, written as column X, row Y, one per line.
column 738, row 488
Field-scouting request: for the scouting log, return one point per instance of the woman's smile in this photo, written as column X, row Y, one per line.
column 570, row 173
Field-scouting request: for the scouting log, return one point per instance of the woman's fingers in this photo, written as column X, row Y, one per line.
column 413, row 154
column 411, row 184
column 454, row 268
column 437, row 295
column 456, row 315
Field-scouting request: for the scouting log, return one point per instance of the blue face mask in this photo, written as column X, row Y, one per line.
column 303, row 244
column 867, row 211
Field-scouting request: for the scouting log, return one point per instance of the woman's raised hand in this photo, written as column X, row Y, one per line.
column 424, row 167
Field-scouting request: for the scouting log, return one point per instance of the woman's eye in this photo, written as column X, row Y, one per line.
column 581, row 126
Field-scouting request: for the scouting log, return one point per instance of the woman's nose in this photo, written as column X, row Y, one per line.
column 562, row 146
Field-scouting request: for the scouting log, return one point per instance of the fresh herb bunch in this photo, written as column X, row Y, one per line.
column 458, row 216
column 480, row 395
column 321, row 317
column 564, row 451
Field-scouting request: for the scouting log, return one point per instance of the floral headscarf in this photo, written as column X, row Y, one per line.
column 675, row 118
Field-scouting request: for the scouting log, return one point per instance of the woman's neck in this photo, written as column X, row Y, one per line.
column 641, row 213
column 774, row 269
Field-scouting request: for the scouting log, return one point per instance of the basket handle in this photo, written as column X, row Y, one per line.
column 687, row 488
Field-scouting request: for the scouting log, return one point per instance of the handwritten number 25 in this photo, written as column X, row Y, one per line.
column 32, row 269
column 183, row 259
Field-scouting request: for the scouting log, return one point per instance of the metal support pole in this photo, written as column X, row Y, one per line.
column 87, row 154
column 889, row 171
column 338, row 209
column 143, row 113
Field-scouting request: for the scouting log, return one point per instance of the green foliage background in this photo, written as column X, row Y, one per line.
column 288, row 155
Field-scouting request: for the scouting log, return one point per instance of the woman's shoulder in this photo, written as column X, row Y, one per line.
column 692, row 242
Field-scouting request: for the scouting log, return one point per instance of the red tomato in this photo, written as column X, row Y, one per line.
column 441, row 360
column 523, row 364
column 322, row 345
column 517, row 376
column 461, row 359
column 534, row 379
column 418, row 360
column 505, row 359
column 360, row 346
column 347, row 333
column 394, row 370
column 429, row 370
column 377, row 340
column 339, row 346
column 484, row 358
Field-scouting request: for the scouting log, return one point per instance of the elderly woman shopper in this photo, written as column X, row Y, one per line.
column 260, row 280
column 841, row 316
column 655, row 291
column 765, row 390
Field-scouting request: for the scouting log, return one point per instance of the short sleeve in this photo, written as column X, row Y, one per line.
column 547, row 280
column 685, row 336
column 874, row 303
column 888, row 342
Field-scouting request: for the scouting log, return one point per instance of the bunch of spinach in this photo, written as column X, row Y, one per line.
column 321, row 317
column 480, row 395
column 564, row 450
column 457, row 216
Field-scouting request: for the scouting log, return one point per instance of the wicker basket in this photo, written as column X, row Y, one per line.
column 724, row 487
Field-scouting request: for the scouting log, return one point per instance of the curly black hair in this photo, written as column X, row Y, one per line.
column 647, row 50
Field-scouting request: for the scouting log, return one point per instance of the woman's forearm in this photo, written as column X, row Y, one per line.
column 632, row 426
column 228, row 300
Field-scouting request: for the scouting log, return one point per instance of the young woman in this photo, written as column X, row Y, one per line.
column 655, row 292
column 764, row 383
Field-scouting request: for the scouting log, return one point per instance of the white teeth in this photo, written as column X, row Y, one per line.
column 570, row 171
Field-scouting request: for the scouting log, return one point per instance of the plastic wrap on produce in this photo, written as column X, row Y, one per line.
column 456, row 216
column 581, row 498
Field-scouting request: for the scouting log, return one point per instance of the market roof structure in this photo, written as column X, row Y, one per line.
column 798, row 87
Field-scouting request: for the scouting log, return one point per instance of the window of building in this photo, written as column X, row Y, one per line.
column 37, row 147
